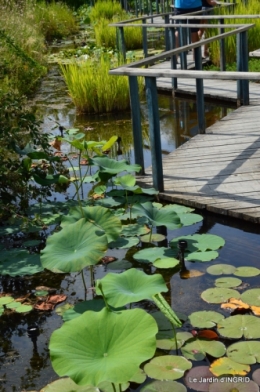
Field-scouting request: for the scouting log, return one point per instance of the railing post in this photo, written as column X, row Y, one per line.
column 173, row 58
column 136, row 8
column 144, row 34
column 151, row 10
column 154, row 131
column 136, row 122
column 244, row 56
column 222, row 48
column 239, row 68
column 200, row 93
column 121, row 42
column 166, row 32
column 157, row 6
column 183, row 55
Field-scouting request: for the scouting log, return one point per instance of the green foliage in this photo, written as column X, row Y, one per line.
column 106, row 9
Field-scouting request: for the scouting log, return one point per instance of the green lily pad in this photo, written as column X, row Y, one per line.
column 227, row 386
column 221, row 269
column 202, row 256
column 189, row 219
column 6, row 300
column 130, row 286
column 1, row 310
column 117, row 344
column 112, row 166
column 251, row 297
column 119, row 265
column 99, row 216
column 123, row 243
column 134, row 229
column 78, row 245
column 152, row 238
column 197, row 349
column 200, row 242
column 167, row 367
column 166, row 263
column 151, row 254
column 32, row 243
column 218, row 295
column 157, row 217
column 236, row 327
column 228, row 282
column 164, row 386
column 139, row 377
column 63, row 308
column 205, row 319
column 170, row 344
column 225, row 366
column 246, row 271
column 95, row 305
column 19, row 263
column 67, row 385
column 179, row 209
column 110, row 202
column 24, row 309
column 41, row 293
column 13, row 305
column 245, row 352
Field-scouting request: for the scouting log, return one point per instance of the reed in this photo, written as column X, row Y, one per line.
column 106, row 9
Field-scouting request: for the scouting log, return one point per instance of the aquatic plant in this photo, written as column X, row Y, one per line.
column 106, row 9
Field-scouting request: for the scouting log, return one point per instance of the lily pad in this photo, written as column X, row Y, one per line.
column 246, row 271
column 116, row 346
column 167, row 367
column 166, row 263
column 205, row 319
column 134, row 229
column 110, row 202
column 124, row 242
column 19, row 263
column 251, row 297
column 170, row 344
column 32, row 243
column 202, row 256
column 164, row 386
column 189, row 219
column 95, row 305
column 67, row 385
column 227, row 386
column 119, row 265
column 1, row 310
column 157, row 217
column 245, row 352
column 151, row 254
column 218, row 295
column 6, row 300
column 200, row 242
column 236, row 327
column 152, row 238
column 194, row 377
column 78, row 245
column 139, row 377
column 221, row 269
column 197, row 349
column 13, row 305
column 225, row 366
column 130, row 286
column 228, row 282
column 24, row 309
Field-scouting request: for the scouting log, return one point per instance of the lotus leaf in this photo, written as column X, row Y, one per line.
column 151, row 254
column 128, row 180
column 155, row 237
column 164, row 386
column 200, row 242
column 166, row 263
column 202, row 256
column 246, row 271
column 119, row 265
column 205, row 319
column 164, row 325
column 67, row 385
column 228, row 282
column 226, row 386
column 24, row 309
column 197, row 349
column 19, row 263
column 41, row 293
column 116, row 346
column 170, row 344
column 6, row 300
column 111, row 166
column 95, row 305
column 177, row 208
column 32, row 243
column 167, row 367
column 189, row 219
column 251, row 297
column 139, row 377
column 221, row 269
column 240, row 325
column 78, row 245
column 123, row 243
column 157, row 217
column 130, row 286
column 13, row 305
column 134, row 229
column 218, row 295
column 225, row 366
column 245, row 352
column 199, row 378
column 110, row 202
column 99, row 216
column 63, row 308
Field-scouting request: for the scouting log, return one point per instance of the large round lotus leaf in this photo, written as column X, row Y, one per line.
column 227, row 386
column 108, row 165
column 246, row 271
column 245, row 352
column 95, row 304
column 168, row 367
column 256, row 376
column 134, row 229
column 227, row 282
column 202, row 256
column 170, row 344
column 200, row 242
column 116, row 345
column 19, row 263
column 123, row 243
column 130, row 286
column 198, row 378
column 221, row 269
column 197, row 349
column 205, row 319
column 151, row 254
column 67, row 385
column 240, row 325
column 164, row 386
column 251, row 297
column 157, row 217
column 152, row 238
column 166, row 263
column 99, row 216
column 190, row 219
column 218, row 295
column 78, row 245
column 6, row 300
column 225, row 366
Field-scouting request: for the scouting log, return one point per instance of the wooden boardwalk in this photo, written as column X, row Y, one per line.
column 218, row 171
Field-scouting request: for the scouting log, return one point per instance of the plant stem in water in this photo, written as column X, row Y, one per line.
column 84, row 283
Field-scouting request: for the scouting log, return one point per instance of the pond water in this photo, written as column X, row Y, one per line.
column 25, row 363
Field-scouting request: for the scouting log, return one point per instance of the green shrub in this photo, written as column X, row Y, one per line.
column 106, row 9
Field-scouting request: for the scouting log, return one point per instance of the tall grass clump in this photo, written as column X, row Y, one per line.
column 251, row 8
column 93, row 90
column 106, row 9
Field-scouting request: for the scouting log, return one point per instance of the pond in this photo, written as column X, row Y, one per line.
column 24, row 356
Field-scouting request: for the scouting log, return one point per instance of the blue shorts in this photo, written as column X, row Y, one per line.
column 181, row 11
